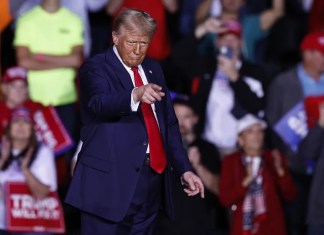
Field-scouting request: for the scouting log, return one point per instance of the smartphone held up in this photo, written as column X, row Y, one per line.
column 226, row 51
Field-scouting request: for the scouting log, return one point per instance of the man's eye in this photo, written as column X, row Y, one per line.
column 143, row 44
column 133, row 43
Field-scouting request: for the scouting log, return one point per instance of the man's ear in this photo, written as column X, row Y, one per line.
column 114, row 35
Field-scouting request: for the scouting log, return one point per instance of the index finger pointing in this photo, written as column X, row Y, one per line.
column 156, row 87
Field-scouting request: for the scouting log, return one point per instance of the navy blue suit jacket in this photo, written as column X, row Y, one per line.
column 115, row 139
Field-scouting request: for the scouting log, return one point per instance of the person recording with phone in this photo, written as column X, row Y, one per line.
column 224, row 86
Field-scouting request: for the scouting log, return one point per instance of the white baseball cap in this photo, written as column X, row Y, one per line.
column 247, row 121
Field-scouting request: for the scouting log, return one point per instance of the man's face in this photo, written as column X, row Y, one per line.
column 186, row 117
column 232, row 6
column 313, row 60
column 16, row 92
column 251, row 139
column 232, row 41
column 318, row 61
column 131, row 45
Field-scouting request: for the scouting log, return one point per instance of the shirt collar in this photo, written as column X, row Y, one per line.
column 302, row 73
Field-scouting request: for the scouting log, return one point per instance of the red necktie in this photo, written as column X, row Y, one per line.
column 157, row 154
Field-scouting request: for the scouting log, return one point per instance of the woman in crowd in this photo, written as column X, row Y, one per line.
column 252, row 182
column 24, row 159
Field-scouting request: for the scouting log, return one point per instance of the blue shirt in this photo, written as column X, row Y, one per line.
column 311, row 87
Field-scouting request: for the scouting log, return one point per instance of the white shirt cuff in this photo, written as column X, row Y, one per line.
column 134, row 106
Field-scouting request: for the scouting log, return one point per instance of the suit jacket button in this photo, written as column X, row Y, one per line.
column 144, row 143
column 137, row 169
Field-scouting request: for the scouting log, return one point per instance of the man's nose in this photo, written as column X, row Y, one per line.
column 137, row 48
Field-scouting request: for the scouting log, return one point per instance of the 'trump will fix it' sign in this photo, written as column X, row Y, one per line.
column 28, row 214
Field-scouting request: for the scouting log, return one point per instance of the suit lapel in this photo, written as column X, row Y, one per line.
column 120, row 71
column 122, row 75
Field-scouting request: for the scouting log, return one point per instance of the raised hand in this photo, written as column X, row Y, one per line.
column 249, row 175
column 148, row 93
column 228, row 66
column 5, row 150
column 211, row 25
column 277, row 162
column 26, row 159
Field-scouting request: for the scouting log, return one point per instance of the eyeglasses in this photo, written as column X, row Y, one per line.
column 142, row 44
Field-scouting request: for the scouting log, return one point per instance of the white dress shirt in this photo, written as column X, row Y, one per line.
column 135, row 105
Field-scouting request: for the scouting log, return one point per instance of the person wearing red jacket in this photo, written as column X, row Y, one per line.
column 253, row 182
column 15, row 92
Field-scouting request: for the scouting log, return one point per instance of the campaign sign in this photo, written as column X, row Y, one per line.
column 292, row 127
column 25, row 213
column 51, row 131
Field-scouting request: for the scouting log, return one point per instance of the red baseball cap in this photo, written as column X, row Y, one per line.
column 313, row 41
column 15, row 73
column 232, row 27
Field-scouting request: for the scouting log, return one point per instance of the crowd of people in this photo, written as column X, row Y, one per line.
column 245, row 79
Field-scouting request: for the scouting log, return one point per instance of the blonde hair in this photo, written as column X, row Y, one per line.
column 133, row 19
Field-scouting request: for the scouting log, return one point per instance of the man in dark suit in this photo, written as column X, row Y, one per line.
column 130, row 136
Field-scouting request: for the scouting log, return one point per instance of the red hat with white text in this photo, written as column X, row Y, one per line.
column 313, row 41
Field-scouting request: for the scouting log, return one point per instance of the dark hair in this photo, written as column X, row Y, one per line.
column 32, row 139
column 131, row 19
column 32, row 142
column 185, row 102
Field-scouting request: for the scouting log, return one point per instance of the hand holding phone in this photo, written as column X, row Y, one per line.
column 227, row 64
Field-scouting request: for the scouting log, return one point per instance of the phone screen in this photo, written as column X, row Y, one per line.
column 226, row 51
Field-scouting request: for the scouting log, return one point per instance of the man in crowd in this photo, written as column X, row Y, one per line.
column 49, row 44
column 194, row 215
column 15, row 92
column 226, row 87
column 311, row 148
column 290, row 88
